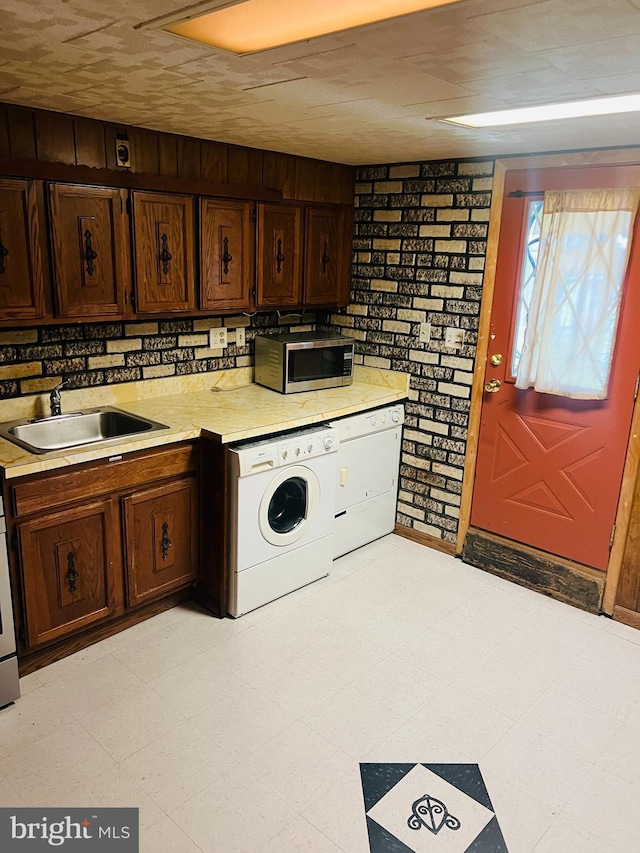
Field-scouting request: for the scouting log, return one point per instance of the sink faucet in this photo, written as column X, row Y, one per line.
column 54, row 399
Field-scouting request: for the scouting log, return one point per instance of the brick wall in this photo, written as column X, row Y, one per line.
column 419, row 250
column 90, row 354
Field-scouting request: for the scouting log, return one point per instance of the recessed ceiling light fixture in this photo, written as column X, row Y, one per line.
column 249, row 26
column 551, row 112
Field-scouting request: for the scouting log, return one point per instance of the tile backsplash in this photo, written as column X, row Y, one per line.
column 33, row 360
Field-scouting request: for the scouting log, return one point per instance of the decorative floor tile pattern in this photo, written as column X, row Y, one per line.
column 252, row 743
column 429, row 808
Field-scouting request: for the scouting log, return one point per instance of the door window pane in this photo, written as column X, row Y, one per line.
column 575, row 295
column 527, row 277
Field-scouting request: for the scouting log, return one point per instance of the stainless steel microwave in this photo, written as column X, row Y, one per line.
column 303, row 361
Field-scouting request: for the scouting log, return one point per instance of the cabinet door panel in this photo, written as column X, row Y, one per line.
column 279, row 273
column 21, row 272
column 326, row 256
column 226, row 254
column 89, row 228
column 164, row 252
column 161, row 529
column 67, row 563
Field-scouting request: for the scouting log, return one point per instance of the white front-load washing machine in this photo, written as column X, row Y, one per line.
column 283, row 507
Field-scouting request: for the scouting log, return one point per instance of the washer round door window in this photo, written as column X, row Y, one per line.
column 288, row 505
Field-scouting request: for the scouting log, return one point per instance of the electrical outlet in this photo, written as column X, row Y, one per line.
column 425, row 333
column 453, row 338
column 241, row 338
column 218, row 338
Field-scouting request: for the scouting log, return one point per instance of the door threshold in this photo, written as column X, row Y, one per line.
column 557, row 577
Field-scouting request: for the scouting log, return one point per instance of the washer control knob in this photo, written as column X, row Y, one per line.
column 384, row 419
column 285, row 453
column 328, row 442
column 297, row 451
column 309, row 447
column 373, row 422
column 395, row 417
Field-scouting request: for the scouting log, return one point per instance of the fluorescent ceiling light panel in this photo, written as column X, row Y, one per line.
column 551, row 112
column 254, row 25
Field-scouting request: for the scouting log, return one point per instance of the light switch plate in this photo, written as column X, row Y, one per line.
column 218, row 338
column 241, row 338
column 453, row 338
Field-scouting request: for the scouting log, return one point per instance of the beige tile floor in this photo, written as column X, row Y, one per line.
column 245, row 736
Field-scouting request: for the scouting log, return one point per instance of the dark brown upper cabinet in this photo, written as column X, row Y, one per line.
column 21, row 255
column 279, row 261
column 227, row 262
column 327, row 247
column 164, row 250
column 89, row 249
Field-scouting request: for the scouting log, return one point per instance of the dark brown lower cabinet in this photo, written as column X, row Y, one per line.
column 68, row 561
column 99, row 546
column 161, row 545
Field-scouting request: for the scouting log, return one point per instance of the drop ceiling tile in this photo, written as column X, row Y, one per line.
column 542, row 86
column 492, row 57
column 603, row 58
column 617, row 83
column 411, row 88
column 558, row 23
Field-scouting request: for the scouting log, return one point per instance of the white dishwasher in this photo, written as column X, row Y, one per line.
column 367, row 484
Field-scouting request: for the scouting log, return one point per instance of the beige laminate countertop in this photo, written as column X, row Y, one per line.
column 227, row 405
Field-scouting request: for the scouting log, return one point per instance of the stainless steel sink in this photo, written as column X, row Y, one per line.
column 76, row 429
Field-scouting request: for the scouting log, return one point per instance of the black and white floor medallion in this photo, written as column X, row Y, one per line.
column 429, row 808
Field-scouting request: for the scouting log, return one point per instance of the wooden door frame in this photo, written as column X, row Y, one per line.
column 612, row 157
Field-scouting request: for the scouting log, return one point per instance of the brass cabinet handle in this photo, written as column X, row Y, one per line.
column 493, row 386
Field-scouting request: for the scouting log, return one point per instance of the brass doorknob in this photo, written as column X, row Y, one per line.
column 492, row 386
column 496, row 359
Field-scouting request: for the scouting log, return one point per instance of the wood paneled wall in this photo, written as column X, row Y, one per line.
column 37, row 135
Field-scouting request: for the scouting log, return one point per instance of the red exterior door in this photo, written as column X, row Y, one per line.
column 549, row 468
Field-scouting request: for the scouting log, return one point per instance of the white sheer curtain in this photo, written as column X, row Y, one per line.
column 573, row 315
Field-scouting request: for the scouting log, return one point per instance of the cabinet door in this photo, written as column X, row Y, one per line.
column 327, row 249
column 279, row 272
column 226, row 254
column 161, row 536
column 21, row 272
column 163, row 252
column 67, row 563
column 89, row 231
